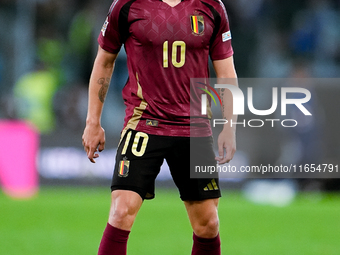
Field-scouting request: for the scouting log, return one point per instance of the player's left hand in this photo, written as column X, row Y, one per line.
column 226, row 146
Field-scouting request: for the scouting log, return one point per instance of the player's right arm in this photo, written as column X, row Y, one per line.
column 94, row 135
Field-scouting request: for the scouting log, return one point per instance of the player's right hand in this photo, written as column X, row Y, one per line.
column 93, row 141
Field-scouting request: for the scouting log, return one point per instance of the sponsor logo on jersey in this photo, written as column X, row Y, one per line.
column 105, row 26
column 124, row 165
column 197, row 24
column 152, row 123
column 226, row 36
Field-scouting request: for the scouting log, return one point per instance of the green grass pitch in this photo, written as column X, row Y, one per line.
column 67, row 220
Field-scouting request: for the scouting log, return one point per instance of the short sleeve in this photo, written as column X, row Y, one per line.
column 220, row 47
column 110, row 38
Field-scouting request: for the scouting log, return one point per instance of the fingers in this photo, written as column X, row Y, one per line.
column 221, row 150
column 91, row 151
column 93, row 141
column 222, row 160
column 101, row 146
column 220, row 157
column 91, row 155
column 226, row 153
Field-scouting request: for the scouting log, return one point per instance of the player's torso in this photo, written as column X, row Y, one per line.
column 166, row 37
column 154, row 22
column 166, row 46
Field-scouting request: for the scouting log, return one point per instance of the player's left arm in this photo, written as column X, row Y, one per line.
column 227, row 138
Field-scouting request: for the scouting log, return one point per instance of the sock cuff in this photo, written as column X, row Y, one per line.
column 116, row 234
column 207, row 244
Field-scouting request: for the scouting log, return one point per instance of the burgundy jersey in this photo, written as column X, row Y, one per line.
column 165, row 47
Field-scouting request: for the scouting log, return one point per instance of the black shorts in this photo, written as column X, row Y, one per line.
column 140, row 156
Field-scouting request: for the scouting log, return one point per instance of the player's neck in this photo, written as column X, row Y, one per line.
column 172, row 3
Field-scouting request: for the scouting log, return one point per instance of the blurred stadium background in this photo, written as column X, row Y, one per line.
column 47, row 50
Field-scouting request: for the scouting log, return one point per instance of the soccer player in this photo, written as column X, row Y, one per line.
column 167, row 43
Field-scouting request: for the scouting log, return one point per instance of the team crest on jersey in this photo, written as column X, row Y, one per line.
column 197, row 24
column 124, row 165
column 105, row 26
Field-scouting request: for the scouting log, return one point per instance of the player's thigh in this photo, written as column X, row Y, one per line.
column 203, row 216
column 127, row 199
column 202, row 211
column 182, row 161
column 138, row 161
column 125, row 205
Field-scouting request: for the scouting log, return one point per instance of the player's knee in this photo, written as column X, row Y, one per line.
column 122, row 217
column 120, row 213
column 207, row 228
